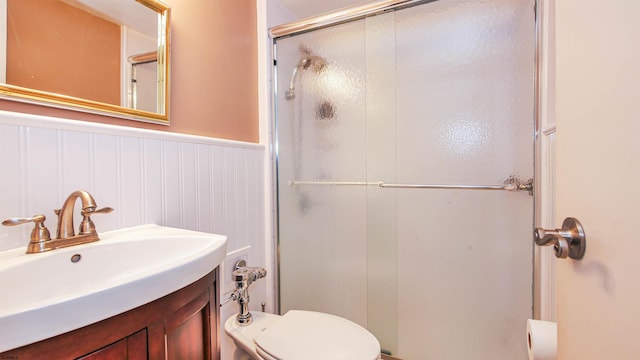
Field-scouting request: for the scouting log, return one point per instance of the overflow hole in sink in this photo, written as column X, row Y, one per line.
column 75, row 258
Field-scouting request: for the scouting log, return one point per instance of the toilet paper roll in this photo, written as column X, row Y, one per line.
column 542, row 340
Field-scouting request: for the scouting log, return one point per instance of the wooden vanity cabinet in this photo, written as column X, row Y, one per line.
column 181, row 325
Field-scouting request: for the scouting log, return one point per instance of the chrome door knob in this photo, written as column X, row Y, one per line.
column 569, row 241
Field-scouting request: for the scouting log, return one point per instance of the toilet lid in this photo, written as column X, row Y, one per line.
column 308, row 335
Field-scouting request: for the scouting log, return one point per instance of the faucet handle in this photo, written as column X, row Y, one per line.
column 87, row 226
column 92, row 210
column 18, row 221
column 39, row 233
column 235, row 295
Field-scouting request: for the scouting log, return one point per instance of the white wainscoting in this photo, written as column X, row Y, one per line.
column 164, row 178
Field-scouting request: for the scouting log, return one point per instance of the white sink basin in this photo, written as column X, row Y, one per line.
column 43, row 295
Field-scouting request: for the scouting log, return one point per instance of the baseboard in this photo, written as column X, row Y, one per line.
column 389, row 357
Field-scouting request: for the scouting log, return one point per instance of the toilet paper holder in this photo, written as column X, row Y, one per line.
column 569, row 241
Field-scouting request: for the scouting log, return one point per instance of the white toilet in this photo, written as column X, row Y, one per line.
column 302, row 335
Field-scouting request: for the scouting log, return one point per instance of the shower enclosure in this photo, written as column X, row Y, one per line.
column 404, row 145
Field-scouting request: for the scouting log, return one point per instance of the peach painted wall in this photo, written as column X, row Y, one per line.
column 47, row 56
column 214, row 73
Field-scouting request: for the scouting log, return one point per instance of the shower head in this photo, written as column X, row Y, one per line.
column 308, row 61
column 315, row 62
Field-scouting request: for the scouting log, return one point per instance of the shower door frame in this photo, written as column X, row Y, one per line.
column 542, row 292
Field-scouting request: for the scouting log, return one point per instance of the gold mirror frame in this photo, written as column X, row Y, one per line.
column 18, row 93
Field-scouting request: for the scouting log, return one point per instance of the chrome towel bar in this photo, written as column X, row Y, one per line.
column 511, row 184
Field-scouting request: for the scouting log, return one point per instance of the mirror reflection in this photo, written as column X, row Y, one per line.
column 95, row 55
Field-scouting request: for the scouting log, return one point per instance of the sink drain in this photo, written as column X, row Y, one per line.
column 75, row 258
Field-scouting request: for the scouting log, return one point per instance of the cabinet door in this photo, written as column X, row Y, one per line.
column 189, row 330
column 133, row 347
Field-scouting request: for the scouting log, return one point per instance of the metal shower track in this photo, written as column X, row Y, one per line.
column 341, row 16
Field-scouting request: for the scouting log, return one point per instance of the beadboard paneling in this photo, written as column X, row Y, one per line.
column 169, row 179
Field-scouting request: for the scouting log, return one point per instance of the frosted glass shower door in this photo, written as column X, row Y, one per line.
column 438, row 93
column 321, row 129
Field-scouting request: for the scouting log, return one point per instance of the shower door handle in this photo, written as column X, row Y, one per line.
column 569, row 241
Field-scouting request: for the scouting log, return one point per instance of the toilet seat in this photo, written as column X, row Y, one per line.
column 308, row 335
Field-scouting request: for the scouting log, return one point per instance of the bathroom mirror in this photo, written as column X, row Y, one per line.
column 109, row 57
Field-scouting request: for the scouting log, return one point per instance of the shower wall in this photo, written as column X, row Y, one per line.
column 439, row 93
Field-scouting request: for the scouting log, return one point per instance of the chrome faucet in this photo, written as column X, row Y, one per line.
column 41, row 241
column 244, row 276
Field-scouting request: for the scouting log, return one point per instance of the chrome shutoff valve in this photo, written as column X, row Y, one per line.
column 248, row 275
column 244, row 276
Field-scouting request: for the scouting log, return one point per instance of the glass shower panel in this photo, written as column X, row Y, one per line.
column 321, row 136
column 464, row 102
column 439, row 93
